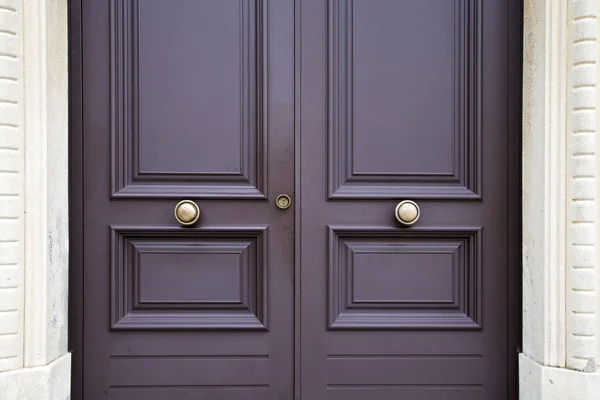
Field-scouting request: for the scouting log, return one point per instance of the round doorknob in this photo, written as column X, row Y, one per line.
column 407, row 212
column 187, row 212
column 283, row 201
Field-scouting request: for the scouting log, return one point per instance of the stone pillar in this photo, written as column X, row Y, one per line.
column 561, row 301
column 34, row 362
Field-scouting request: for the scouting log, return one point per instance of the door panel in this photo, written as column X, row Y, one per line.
column 174, row 278
column 403, row 112
column 188, row 107
column 188, row 99
column 404, row 100
column 382, row 278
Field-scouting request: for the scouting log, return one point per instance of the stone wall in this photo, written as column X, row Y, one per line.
column 582, row 300
column 34, row 238
column 12, row 179
column 561, row 291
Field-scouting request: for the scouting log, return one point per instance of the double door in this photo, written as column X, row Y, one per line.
column 296, row 199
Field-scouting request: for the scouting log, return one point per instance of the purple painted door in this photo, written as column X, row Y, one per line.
column 404, row 100
column 179, row 104
column 347, row 106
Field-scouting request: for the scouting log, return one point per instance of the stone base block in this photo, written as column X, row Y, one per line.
column 47, row 382
column 539, row 382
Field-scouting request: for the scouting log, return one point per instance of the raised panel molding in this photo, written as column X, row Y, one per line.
column 128, row 178
column 128, row 311
column 465, row 180
column 462, row 311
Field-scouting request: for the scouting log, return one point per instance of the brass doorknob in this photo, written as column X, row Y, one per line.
column 407, row 212
column 187, row 212
column 283, row 201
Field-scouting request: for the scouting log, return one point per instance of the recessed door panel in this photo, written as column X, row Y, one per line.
column 188, row 98
column 403, row 99
column 176, row 279
column 390, row 278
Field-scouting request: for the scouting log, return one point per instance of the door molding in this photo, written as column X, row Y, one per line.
column 560, row 199
column 514, row 193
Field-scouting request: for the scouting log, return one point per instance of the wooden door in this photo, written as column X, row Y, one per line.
column 350, row 107
column 404, row 100
column 187, row 99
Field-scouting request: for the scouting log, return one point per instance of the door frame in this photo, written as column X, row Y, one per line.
column 76, row 185
column 514, row 193
column 76, row 295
